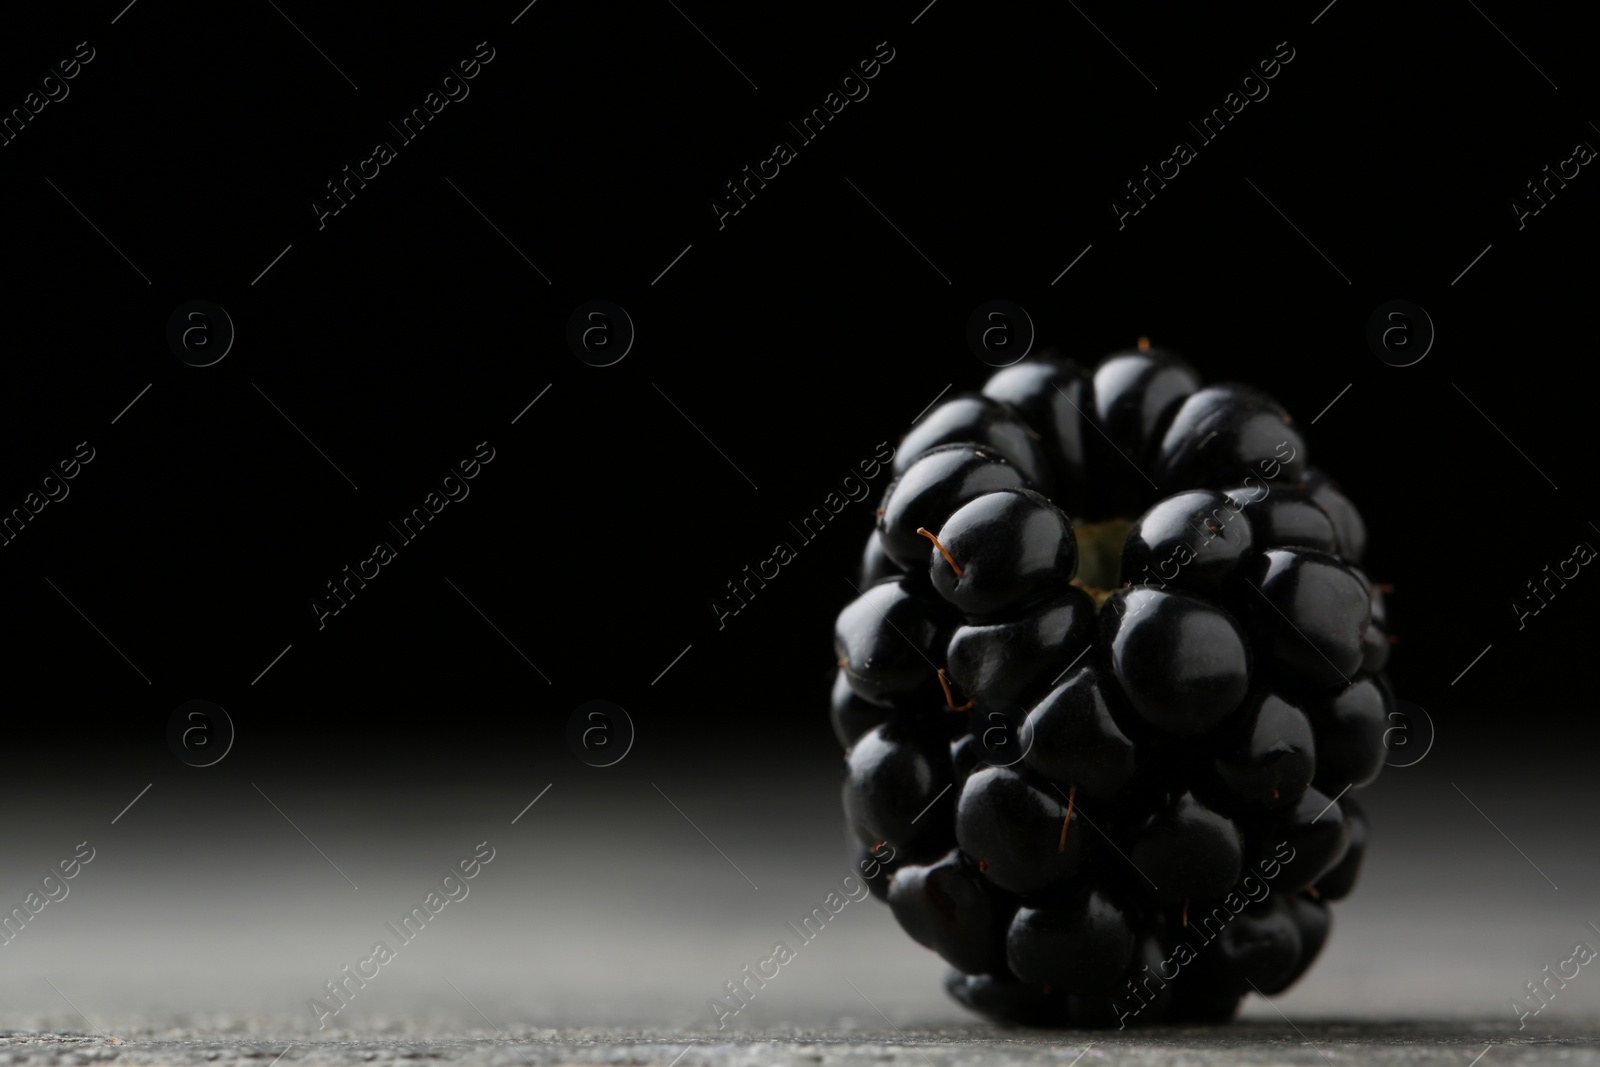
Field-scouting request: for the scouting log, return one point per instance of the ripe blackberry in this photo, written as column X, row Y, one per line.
column 1110, row 683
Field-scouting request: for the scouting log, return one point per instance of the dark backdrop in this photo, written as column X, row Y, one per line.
column 795, row 338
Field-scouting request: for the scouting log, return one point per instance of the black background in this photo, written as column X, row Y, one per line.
column 796, row 338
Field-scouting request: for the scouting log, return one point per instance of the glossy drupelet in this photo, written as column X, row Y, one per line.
column 1110, row 683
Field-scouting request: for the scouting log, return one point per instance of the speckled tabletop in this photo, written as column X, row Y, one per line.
column 1249, row 1042
column 158, row 958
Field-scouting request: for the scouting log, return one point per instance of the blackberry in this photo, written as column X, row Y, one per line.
column 1110, row 682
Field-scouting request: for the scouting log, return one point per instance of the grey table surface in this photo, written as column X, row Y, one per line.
column 1251, row 1042
column 606, row 922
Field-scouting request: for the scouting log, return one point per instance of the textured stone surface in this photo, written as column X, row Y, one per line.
column 1455, row 1043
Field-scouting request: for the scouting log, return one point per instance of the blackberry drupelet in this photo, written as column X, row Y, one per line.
column 1111, row 681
